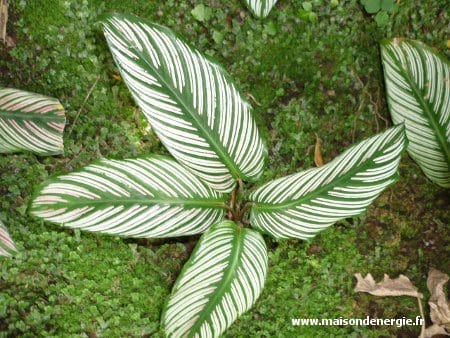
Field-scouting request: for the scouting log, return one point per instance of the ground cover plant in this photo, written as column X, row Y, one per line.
column 331, row 89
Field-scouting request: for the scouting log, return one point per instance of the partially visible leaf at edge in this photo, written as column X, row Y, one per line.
column 6, row 243
column 261, row 8
column 418, row 93
column 30, row 122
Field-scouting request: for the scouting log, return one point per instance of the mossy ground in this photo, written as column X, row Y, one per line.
column 303, row 79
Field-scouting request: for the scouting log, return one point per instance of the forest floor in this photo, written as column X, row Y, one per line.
column 302, row 78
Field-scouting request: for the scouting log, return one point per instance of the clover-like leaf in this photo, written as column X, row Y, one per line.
column 223, row 278
column 418, row 93
column 193, row 106
column 151, row 197
column 302, row 204
column 30, row 122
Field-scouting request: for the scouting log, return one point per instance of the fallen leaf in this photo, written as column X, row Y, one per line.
column 318, row 159
column 117, row 77
column 400, row 286
column 434, row 330
column 448, row 43
column 439, row 305
column 10, row 42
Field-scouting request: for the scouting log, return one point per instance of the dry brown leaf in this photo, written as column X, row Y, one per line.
column 439, row 305
column 400, row 286
column 434, row 330
column 318, row 159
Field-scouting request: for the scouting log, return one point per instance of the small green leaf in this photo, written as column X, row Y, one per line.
column 307, row 6
column 372, row 6
column 270, row 29
column 389, row 6
column 217, row 37
column 201, row 13
column 334, row 3
column 382, row 18
column 312, row 17
column 303, row 15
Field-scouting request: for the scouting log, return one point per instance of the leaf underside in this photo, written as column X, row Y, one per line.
column 30, row 122
column 6, row 243
column 191, row 103
column 261, row 8
column 153, row 197
column 300, row 205
column 223, row 278
column 418, row 93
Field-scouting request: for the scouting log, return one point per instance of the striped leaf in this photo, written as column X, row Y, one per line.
column 6, row 242
column 261, row 8
column 222, row 279
column 300, row 205
column 150, row 197
column 418, row 93
column 194, row 108
column 30, row 122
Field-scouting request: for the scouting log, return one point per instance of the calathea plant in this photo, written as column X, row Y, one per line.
column 207, row 126
column 418, row 92
column 32, row 123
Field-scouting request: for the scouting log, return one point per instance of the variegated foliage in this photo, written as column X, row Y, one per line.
column 302, row 204
column 261, row 8
column 222, row 279
column 193, row 106
column 30, row 122
column 6, row 242
column 418, row 92
column 151, row 197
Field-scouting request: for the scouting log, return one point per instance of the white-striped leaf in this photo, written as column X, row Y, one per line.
column 151, row 197
column 222, row 279
column 6, row 243
column 261, row 8
column 418, row 93
column 30, row 122
column 194, row 108
column 300, row 205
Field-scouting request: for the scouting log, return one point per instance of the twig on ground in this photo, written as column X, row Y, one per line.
column 83, row 104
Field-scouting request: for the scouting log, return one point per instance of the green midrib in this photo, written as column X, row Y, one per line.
column 337, row 182
column 220, row 150
column 224, row 284
column 18, row 115
column 197, row 203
